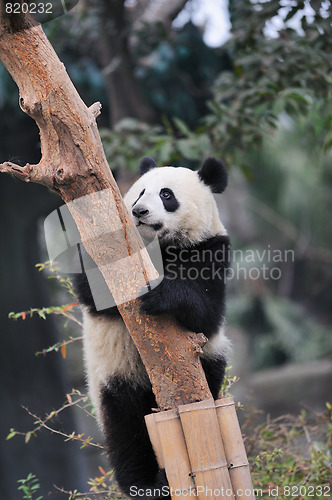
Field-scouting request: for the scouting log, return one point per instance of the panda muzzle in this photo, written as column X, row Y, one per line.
column 139, row 212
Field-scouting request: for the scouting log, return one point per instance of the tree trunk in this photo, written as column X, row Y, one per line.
column 164, row 12
column 73, row 164
column 124, row 91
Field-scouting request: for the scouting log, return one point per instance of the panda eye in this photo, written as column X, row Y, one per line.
column 166, row 194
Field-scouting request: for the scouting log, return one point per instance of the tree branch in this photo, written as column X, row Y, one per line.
column 161, row 11
column 22, row 173
column 73, row 164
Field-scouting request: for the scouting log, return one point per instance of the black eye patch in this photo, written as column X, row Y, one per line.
column 169, row 200
column 140, row 195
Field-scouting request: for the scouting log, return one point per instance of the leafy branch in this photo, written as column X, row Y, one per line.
column 275, row 448
column 64, row 310
column 45, row 311
column 80, row 401
column 54, row 270
column 100, row 486
column 29, row 486
column 228, row 382
column 59, row 346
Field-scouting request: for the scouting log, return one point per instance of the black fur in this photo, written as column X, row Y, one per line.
column 214, row 174
column 140, row 195
column 146, row 164
column 84, row 295
column 214, row 370
column 193, row 288
column 170, row 202
column 128, row 444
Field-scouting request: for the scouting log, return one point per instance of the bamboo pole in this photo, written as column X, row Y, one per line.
column 202, row 446
column 234, row 449
column 168, row 440
column 206, row 451
column 152, row 428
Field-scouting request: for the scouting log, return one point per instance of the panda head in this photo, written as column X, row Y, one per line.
column 177, row 204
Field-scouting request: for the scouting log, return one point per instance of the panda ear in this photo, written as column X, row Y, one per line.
column 146, row 164
column 214, row 174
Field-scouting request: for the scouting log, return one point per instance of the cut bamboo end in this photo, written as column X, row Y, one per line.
column 234, row 449
column 206, row 451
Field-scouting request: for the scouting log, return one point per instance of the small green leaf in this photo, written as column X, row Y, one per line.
column 11, row 435
column 42, row 314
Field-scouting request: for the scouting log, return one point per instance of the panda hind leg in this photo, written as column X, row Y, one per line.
column 137, row 473
column 214, row 369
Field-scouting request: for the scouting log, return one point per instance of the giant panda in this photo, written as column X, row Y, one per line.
column 177, row 205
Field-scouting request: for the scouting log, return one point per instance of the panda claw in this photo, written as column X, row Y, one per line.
column 151, row 302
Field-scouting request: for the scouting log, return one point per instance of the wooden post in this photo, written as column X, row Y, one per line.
column 202, row 446
column 205, row 449
column 236, row 455
column 151, row 425
column 168, row 440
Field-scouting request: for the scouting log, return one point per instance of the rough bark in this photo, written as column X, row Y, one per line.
column 73, row 164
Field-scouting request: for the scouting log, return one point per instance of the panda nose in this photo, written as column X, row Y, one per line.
column 139, row 212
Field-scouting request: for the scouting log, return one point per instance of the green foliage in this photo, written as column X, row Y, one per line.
column 42, row 312
column 178, row 70
column 130, row 140
column 29, row 487
column 54, row 274
column 287, row 72
column 270, row 77
column 280, row 330
column 291, row 174
column 290, row 452
column 228, row 382
column 289, row 202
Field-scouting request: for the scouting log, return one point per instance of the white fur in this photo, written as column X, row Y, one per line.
column 197, row 216
column 109, row 351
column 219, row 345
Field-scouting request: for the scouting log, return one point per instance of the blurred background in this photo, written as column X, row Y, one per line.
column 246, row 81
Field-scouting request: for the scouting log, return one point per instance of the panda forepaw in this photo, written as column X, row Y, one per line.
column 152, row 301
